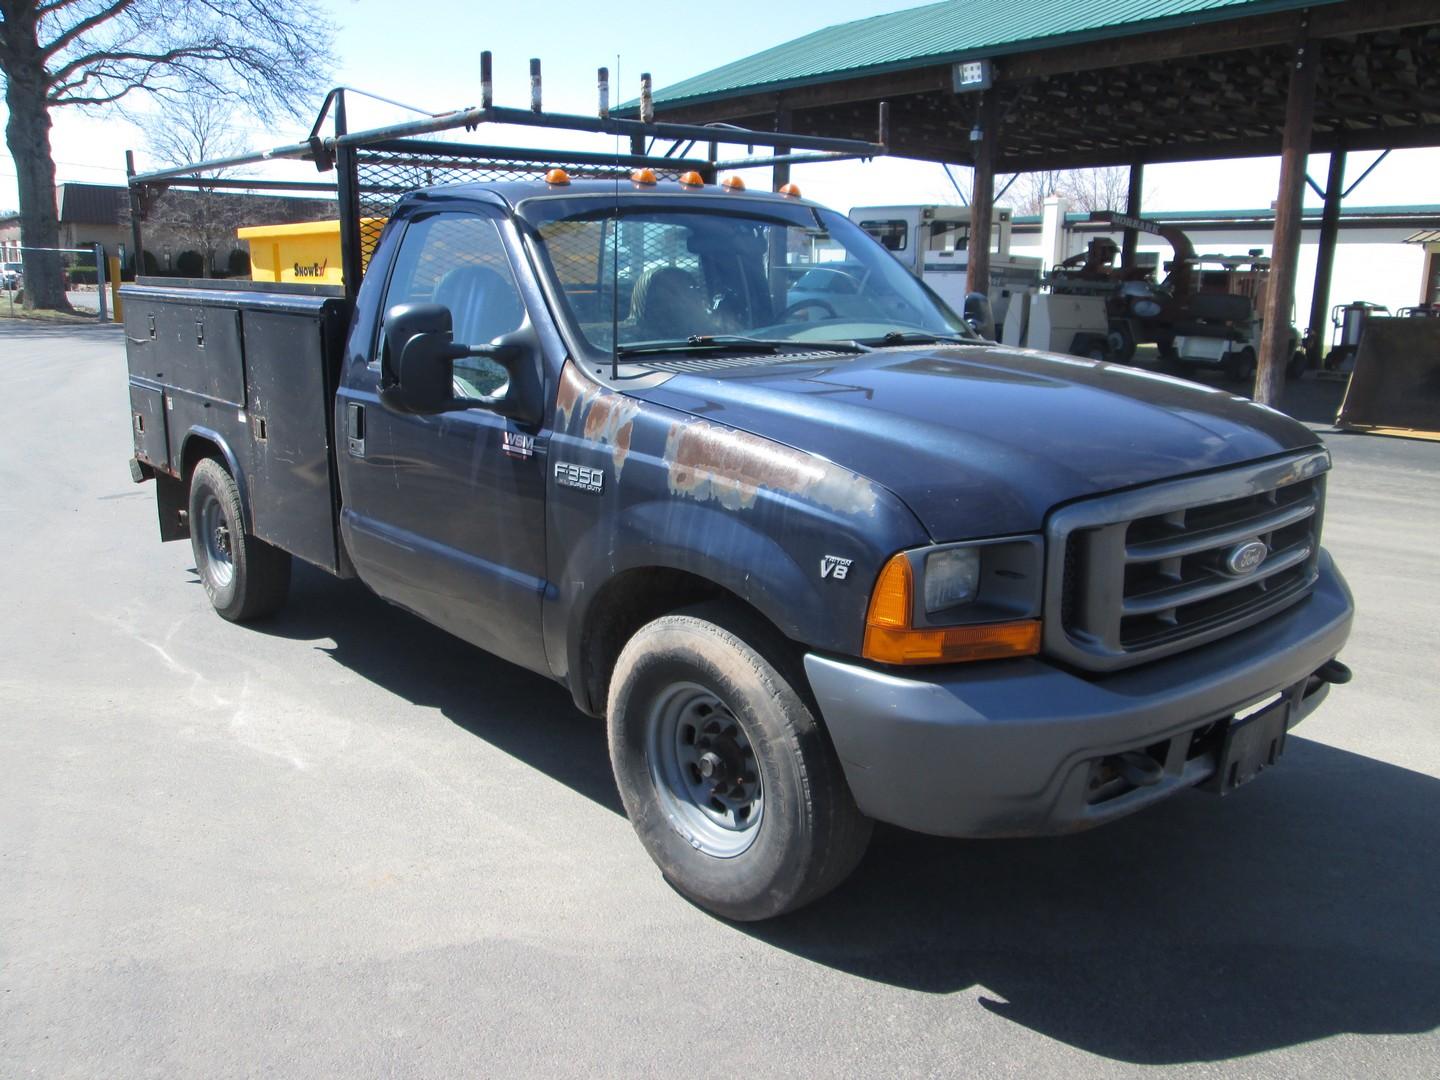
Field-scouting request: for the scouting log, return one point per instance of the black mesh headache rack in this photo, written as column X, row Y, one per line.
column 372, row 170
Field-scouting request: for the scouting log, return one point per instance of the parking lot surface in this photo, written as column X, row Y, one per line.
column 344, row 843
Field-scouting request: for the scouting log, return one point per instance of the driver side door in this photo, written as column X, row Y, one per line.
column 445, row 514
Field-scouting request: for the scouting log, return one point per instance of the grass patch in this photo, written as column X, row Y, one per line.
column 47, row 315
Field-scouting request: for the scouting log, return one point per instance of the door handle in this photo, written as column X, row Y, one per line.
column 355, row 428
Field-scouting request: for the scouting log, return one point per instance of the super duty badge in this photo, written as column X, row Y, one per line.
column 570, row 475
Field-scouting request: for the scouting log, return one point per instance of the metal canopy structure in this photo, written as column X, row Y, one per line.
column 1028, row 85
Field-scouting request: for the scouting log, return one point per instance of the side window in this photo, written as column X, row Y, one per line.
column 893, row 234
column 458, row 260
column 949, row 236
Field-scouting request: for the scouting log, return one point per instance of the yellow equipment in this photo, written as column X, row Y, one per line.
column 307, row 252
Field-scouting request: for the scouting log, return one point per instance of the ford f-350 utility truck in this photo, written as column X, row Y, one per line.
column 817, row 561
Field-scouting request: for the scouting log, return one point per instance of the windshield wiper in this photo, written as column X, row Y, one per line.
column 735, row 343
column 922, row 337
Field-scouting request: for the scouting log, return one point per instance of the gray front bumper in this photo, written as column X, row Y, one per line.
column 1008, row 748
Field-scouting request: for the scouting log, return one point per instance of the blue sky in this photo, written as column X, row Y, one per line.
column 426, row 52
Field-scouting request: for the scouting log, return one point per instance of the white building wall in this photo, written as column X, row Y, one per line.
column 1370, row 264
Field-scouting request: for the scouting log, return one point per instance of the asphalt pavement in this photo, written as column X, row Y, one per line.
column 342, row 843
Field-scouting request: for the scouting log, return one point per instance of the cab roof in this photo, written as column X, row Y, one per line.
column 511, row 193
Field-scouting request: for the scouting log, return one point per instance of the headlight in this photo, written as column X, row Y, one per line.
column 973, row 601
column 951, row 577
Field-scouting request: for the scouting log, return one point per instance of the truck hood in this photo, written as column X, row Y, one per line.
column 984, row 440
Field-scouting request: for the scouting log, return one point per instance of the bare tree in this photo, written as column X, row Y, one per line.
column 1087, row 189
column 269, row 55
column 1032, row 189
column 189, row 129
column 1098, row 189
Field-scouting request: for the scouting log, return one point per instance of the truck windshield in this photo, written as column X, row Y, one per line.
column 642, row 278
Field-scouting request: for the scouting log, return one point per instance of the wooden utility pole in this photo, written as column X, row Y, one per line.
column 1132, row 209
column 1285, row 248
column 1325, row 261
column 977, row 271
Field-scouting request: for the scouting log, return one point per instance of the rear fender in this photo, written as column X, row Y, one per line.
column 191, row 451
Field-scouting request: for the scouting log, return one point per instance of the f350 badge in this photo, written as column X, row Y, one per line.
column 568, row 474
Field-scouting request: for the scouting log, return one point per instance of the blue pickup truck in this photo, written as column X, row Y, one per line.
column 818, row 560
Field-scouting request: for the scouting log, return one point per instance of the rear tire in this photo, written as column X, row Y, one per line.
column 244, row 577
column 726, row 774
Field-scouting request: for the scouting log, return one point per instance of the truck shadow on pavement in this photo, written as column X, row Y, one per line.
column 1300, row 907
column 530, row 717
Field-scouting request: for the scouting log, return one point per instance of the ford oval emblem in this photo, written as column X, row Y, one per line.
column 1246, row 558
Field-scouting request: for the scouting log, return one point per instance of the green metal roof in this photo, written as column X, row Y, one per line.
column 950, row 31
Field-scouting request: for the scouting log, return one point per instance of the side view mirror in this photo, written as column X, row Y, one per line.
column 978, row 314
column 420, row 368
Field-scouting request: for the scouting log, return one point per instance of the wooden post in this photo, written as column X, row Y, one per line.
column 780, row 174
column 1285, row 248
column 1325, row 260
column 1132, row 209
column 977, row 271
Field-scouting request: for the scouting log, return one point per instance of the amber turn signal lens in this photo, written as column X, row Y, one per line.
column 890, row 603
column 890, row 639
column 952, row 644
column 643, row 176
column 734, row 183
column 692, row 179
column 792, row 190
column 557, row 176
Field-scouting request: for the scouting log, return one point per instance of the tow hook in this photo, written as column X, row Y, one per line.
column 1138, row 769
column 1333, row 671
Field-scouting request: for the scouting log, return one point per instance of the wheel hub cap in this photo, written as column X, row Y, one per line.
column 704, row 770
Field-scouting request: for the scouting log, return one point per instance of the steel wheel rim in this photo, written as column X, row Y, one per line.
column 215, row 536
column 689, row 730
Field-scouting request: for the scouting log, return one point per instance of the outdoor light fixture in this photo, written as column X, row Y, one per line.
column 972, row 75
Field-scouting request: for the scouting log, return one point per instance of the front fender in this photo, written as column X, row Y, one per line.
column 799, row 538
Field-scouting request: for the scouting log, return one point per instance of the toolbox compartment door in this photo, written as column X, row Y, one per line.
column 147, row 425
column 190, row 347
column 290, row 389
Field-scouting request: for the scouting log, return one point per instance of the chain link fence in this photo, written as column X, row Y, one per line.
column 84, row 276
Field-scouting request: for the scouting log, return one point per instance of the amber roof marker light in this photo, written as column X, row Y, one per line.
column 691, row 179
column 557, row 177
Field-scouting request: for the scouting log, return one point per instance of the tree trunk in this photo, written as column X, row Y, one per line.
column 28, row 136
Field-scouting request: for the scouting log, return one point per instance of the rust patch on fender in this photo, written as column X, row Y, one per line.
column 610, row 421
column 573, row 387
column 603, row 416
column 707, row 461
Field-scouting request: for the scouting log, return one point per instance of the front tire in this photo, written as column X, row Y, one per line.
column 727, row 776
column 244, row 577
column 1240, row 365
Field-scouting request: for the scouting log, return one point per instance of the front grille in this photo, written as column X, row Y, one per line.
column 1144, row 574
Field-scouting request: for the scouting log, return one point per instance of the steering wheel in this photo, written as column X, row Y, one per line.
column 801, row 305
